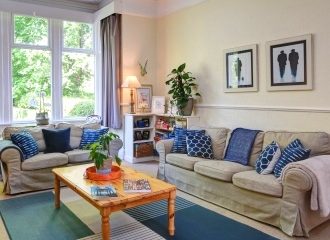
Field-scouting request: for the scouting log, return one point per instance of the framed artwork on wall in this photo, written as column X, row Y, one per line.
column 289, row 64
column 240, row 66
column 144, row 98
column 158, row 104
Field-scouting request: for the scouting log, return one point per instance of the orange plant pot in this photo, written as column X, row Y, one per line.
column 93, row 175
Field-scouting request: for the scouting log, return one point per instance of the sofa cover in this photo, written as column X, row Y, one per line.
column 35, row 173
column 240, row 188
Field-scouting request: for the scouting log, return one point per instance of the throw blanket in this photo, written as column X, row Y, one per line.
column 240, row 145
column 317, row 168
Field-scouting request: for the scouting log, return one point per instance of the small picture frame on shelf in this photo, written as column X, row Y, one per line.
column 143, row 98
column 145, row 135
column 138, row 135
column 140, row 123
column 146, row 122
column 158, row 104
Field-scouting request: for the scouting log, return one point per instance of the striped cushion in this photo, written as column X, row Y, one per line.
column 26, row 143
column 294, row 152
column 91, row 135
column 180, row 142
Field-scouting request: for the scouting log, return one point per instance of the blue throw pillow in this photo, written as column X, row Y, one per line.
column 26, row 143
column 199, row 146
column 294, row 152
column 267, row 159
column 180, row 142
column 57, row 140
column 91, row 135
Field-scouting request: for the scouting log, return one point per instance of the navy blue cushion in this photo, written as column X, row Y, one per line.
column 267, row 159
column 294, row 152
column 240, row 145
column 199, row 146
column 57, row 140
column 26, row 143
column 180, row 142
column 91, row 135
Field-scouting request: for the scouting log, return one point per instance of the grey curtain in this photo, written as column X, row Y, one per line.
column 111, row 70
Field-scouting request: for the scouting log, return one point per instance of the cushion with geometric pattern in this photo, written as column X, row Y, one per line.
column 180, row 142
column 294, row 152
column 26, row 143
column 267, row 159
column 199, row 146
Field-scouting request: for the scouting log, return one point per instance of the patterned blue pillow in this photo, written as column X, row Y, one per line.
column 180, row 142
column 91, row 135
column 199, row 146
column 26, row 143
column 267, row 159
column 294, row 152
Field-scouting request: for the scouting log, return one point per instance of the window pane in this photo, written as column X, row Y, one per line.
column 31, row 30
column 31, row 76
column 78, row 84
column 78, row 35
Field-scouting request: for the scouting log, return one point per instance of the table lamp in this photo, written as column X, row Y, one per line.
column 132, row 83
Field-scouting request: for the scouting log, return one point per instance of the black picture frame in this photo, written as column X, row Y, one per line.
column 146, row 122
column 138, row 135
column 145, row 135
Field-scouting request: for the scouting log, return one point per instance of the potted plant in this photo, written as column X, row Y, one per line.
column 42, row 115
column 182, row 84
column 100, row 153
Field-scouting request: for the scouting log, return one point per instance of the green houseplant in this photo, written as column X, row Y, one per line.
column 100, row 153
column 182, row 84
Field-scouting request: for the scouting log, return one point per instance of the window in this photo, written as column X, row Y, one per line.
column 34, row 52
column 31, row 67
column 78, row 70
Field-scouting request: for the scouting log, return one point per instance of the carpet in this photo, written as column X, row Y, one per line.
column 34, row 217
column 147, row 222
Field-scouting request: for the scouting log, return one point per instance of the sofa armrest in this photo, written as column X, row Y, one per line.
column 163, row 148
column 10, row 153
column 298, row 179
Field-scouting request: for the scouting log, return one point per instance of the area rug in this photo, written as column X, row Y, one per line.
column 149, row 221
column 34, row 217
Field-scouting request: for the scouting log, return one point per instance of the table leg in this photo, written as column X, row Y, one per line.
column 171, row 212
column 57, row 191
column 105, row 224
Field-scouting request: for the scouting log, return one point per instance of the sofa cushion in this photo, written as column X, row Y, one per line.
column 182, row 160
column 44, row 160
column 26, row 143
column 252, row 181
column 91, row 135
column 78, row 155
column 267, row 159
column 317, row 142
column 180, row 143
column 57, row 140
column 294, row 152
column 199, row 146
column 222, row 170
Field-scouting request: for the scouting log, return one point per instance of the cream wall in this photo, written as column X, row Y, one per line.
column 198, row 35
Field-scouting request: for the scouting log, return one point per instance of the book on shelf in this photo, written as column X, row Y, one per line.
column 103, row 192
column 136, row 186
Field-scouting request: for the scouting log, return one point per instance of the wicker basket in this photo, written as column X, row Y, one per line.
column 143, row 150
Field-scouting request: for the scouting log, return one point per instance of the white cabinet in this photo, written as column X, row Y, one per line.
column 143, row 130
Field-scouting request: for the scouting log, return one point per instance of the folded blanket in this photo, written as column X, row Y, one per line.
column 240, row 145
column 318, row 169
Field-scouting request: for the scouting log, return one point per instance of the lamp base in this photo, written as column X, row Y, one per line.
column 132, row 103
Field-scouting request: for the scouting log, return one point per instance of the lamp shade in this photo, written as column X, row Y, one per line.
column 131, row 82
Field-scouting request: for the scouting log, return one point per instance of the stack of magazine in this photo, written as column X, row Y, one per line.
column 136, row 186
column 103, row 192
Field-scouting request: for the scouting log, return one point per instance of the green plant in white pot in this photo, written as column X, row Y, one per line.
column 100, row 153
column 182, row 84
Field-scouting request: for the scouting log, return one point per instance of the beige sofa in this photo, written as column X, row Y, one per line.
column 241, row 189
column 35, row 173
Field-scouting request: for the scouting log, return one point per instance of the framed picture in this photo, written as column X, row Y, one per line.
column 143, row 98
column 146, row 122
column 145, row 135
column 138, row 135
column 158, row 104
column 241, row 69
column 289, row 64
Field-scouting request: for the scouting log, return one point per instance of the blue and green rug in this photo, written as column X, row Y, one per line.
column 34, row 217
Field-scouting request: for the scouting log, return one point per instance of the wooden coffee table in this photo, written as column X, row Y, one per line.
column 73, row 178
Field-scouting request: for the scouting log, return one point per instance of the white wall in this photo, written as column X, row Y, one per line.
column 199, row 34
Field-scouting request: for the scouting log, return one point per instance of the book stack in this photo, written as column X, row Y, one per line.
column 136, row 186
column 103, row 192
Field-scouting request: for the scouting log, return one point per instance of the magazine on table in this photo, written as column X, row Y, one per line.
column 103, row 192
column 136, row 186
